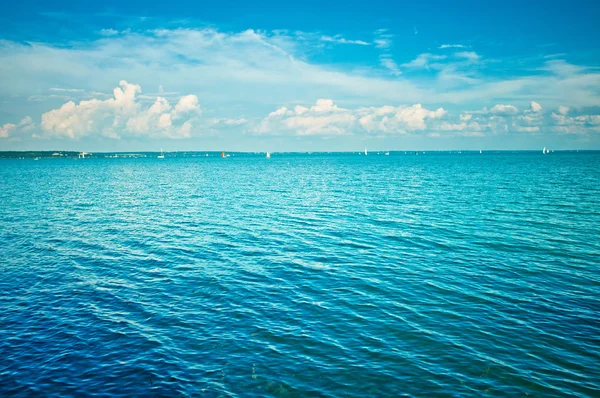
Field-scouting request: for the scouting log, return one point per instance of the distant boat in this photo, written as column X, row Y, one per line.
column 162, row 155
column 387, row 153
column 268, row 155
column 480, row 151
column 222, row 154
column 545, row 151
column 36, row 159
column 366, row 151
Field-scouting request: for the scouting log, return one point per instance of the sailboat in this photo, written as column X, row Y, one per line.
column 162, row 155
column 545, row 151
column 387, row 153
column 366, row 151
column 268, row 155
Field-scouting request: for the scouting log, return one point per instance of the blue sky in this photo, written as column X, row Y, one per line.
column 308, row 76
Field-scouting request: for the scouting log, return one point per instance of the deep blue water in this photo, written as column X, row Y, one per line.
column 302, row 275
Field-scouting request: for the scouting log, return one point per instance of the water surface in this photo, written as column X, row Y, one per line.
column 302, row 275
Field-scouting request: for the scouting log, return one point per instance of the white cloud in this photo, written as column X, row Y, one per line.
column 68, row 90
column 264, row 68
column 535, row 107
column 469, row 55
column 6, row 130
column 231, row 122
column 382, row 43
column 109, row 32
column 187, row 104
column 383, row 39
column 248, row 72
column 326, row 118
column 10, row 129
column 561, row 67
column 323, row 118
column 423, row 60
column 563, row 110
column 120, row 116
column 402, row 119
column 391, row 65
column 452, row 46
column 526, row 129
column 575, row 125
column 341, row 40
column 504, row 110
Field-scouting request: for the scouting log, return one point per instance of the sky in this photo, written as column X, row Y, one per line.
column 301, row 76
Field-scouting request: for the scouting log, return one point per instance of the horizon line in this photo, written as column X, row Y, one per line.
column 319, row 151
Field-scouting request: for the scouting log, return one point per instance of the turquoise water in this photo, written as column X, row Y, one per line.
column 303, row 275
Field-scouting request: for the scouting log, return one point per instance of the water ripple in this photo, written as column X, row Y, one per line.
column 305, row 275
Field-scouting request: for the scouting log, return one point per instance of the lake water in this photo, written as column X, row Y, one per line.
column 301, row 275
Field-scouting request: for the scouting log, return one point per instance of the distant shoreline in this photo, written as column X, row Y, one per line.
column 112, row 155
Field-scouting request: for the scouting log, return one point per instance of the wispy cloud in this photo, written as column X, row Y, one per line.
column 247, row 72
column 109, row 32
column 443, row 46
column 423, row 60
column 469, row 55
column 67, row 90
column 341, row 40
column 383, row 39
column 390, row 64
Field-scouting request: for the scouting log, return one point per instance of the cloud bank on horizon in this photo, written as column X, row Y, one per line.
column 206, row 87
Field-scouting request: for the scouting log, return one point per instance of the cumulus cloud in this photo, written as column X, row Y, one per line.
column 323, row 118
column 535, row 107
column 402, row 119
column 575, row 125
column 187, row 104
column 6, row 130
column 533, row 120
column 326, row 118
column 9, row 130
column 121, row 116
column 504, row 110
